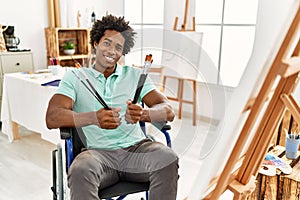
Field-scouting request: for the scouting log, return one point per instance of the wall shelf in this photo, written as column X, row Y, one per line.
column 55, row 37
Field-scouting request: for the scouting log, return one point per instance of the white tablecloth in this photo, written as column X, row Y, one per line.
column 25, row 102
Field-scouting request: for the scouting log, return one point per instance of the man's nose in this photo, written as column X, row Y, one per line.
column 112, row 49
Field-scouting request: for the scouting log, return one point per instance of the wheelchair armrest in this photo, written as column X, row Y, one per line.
column 161, row 125
column 166, row 127
column 65, row 133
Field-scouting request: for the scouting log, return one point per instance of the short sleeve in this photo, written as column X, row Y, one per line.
column 67, row 85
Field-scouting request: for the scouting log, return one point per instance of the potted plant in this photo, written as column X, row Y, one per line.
column 69, row 47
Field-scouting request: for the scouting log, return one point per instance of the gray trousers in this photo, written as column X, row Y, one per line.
column 142, row 162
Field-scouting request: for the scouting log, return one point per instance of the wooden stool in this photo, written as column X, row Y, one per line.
column 179, row 97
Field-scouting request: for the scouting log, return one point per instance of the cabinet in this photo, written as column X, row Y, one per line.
column 11, row 62
column 55, row 37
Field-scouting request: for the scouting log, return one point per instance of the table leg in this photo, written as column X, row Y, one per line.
column 15, row 127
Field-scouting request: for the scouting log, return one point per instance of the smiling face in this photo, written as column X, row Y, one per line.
column 108, row 51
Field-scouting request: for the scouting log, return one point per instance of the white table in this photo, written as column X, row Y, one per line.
column 25, row 102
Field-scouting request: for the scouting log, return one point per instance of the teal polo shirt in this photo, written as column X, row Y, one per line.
column 115, row 90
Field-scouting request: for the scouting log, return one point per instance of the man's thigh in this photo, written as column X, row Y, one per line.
column 144, row 158
column 100, row 166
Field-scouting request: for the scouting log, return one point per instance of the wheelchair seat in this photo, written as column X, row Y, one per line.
column 122, row 189
column 74, row 142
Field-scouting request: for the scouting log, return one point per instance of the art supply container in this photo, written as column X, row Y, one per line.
column 292, row 145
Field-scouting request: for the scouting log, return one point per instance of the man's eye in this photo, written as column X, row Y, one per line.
column 119, row 48
column 106, row 43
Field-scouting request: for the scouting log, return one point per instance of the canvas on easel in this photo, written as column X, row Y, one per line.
column 254, row 112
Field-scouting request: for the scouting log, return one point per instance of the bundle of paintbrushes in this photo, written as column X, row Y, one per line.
column 143, row 76
column 88, row 85
column 292, row 135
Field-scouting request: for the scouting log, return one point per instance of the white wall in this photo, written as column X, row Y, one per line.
column 86, row 8
column 29, row 17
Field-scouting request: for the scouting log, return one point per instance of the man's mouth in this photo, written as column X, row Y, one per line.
column 109, row 59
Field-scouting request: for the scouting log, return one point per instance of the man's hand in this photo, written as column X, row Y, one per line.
column 133, row 113
column 108, row 119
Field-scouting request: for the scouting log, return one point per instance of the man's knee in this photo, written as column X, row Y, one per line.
column 168, row 158
column 83, row 166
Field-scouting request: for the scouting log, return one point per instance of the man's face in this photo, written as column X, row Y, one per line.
column 109, row 50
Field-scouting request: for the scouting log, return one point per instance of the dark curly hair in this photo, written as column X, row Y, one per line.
column 110, row 22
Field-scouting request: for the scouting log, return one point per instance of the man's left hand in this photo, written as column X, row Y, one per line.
column 133, row 112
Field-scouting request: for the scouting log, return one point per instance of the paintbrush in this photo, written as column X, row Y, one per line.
column 93, row 91
column 90, row 88
column 143, row 76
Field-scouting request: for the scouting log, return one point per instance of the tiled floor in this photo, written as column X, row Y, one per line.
column 25, row 164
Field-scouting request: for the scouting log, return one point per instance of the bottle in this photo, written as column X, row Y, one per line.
column 93, row 18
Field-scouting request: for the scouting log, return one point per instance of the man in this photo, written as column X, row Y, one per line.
column 116, row 146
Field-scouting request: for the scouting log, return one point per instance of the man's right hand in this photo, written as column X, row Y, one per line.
column 108, row 119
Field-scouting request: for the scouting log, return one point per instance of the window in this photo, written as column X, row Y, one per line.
column 228, row 34
column 229, row 28
column 142, row 17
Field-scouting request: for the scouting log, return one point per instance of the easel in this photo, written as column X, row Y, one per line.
column 286, row 65
column 179, row 97
column 2, row 41
column 184, row 25
column 54, row 13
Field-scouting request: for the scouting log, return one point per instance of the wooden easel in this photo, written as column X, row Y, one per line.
column 184, row 25
column 286, row 65
column 2, row 41
column 181, row 81
column 54, row 13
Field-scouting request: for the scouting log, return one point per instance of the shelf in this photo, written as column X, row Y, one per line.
column 55, row 37
column 75, row 56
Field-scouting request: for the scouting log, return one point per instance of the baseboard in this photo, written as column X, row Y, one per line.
column 202, row 118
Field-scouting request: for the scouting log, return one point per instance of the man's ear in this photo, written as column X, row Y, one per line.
column 95, row 45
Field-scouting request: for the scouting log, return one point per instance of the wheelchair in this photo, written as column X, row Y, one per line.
column 74, row 142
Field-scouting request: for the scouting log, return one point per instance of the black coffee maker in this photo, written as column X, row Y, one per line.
column 11, row 40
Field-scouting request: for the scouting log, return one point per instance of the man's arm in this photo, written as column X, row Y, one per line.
column 158, row 109
column 60, row 114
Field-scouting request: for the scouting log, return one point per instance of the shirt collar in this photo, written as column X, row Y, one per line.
column 118, row 71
